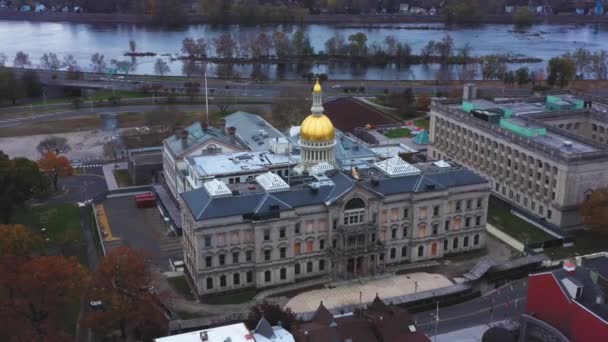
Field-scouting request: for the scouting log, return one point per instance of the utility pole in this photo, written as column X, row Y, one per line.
column 436, row 320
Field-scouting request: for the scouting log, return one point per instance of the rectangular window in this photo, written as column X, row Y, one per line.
column 353, row 216
column 309, row 246
column 267, row 276
column 476, row 240
column 436, row 210
column 421, row 251
column 405, row 232
column 446, row 226
column 478, row 220
column 422, row 213
column 309, row 267
column 222, row 259
column 445, row 245
column 208, row 241
column 321, row 265
column 435, row 228
column 549, row 213
column 282, row 232
column 334, row 243
column 283, row 274
column 469, row 204
column 296, row 268
column 209, row 283
column 394, row 234
column 249, row 276
column 465, row 243
column 235, row 258
column 467, row 222
column 335, row 224
column 236, row 279
column 297, row 228
column 267, row 235
column 455, row 243
column 222, row 281
column 248, row 256
column 282, row 252
column 406, row 213
column 404, row 251
column 322, row 244
column 457, row 205
column 267, row 255
column 393, row 253
column 208, row 261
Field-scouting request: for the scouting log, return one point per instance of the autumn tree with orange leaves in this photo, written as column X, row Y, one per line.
column 55, row 166
column 594, row 211
column 122, row 283
column 37, row 291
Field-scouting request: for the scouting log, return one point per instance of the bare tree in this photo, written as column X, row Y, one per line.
column 21, row 60
column 195, row 48
column 161, row 67
column 336, row 45
column 224, row 45
column 57, row 145
column 132, row 46
column 3, row 59
column 50, row 61
column 391, row 45
column 70, row 63
column 288, row 109
column 98, row 63
column 445, row 48
column 245, row 46
column 599, row 65
column 281, row 43
column 464, row 52
column 123, row 66
column 264, row 43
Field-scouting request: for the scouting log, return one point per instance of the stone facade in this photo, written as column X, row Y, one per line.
column 359, row 234
column 545, row 182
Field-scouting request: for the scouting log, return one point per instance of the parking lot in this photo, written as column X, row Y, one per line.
column 142, row 228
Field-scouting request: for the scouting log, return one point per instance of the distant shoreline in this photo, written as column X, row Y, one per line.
column 347, row 20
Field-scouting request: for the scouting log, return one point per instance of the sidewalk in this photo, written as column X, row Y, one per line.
column 108, row 173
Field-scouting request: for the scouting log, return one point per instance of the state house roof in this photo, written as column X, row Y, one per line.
column 196, row 136
column 253, row 199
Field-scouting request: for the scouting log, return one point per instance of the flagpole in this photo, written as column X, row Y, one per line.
column 206, row 96
column 436, row 320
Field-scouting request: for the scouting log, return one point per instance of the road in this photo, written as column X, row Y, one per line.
column 507, row 302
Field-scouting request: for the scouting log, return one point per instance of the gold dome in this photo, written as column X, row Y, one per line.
column 317, row 128
column 317, row 87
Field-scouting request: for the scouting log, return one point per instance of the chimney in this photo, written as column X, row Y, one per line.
column 183, row 135
column 469, row 92
column 205, row 126
column 231, row 134
column 569, row 266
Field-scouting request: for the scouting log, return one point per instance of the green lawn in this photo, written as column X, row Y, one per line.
column 122, row 178
column 398, row 133
column 586, row 242
column 62, row 224
column 232, row 298
column 423, row 123
column 515, row 227
column 181, row 286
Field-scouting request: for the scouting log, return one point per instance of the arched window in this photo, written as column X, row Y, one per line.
column 355, row 203
column 354, row 212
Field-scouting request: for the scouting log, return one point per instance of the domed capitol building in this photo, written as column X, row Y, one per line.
column 320, row 218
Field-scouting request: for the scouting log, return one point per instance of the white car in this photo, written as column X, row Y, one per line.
column 336, row 86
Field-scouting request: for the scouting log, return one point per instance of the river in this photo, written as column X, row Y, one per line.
column 83, row 40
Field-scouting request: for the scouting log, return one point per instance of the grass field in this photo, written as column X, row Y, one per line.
column 232, row 298
column 422, row 122
column 122, row 178
column 585, row 242
column 62, row 224
column 398, row 133
column 181, row 286
column 515, row 227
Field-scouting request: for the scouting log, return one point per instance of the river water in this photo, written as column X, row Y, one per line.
column 83, row 40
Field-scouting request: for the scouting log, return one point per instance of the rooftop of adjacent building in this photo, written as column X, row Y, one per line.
column 348, row 113
column 263, row 332
column 267, row 195
column 590, row 274
column 194, row 135
column 238, row 162
column 253, row 131
column 378, row 322
column 529, row 118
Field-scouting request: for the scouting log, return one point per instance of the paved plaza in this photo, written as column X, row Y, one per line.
column 386, row 287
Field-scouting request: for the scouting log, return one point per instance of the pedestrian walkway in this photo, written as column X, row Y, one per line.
column 354, row 293
column 108, row 173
